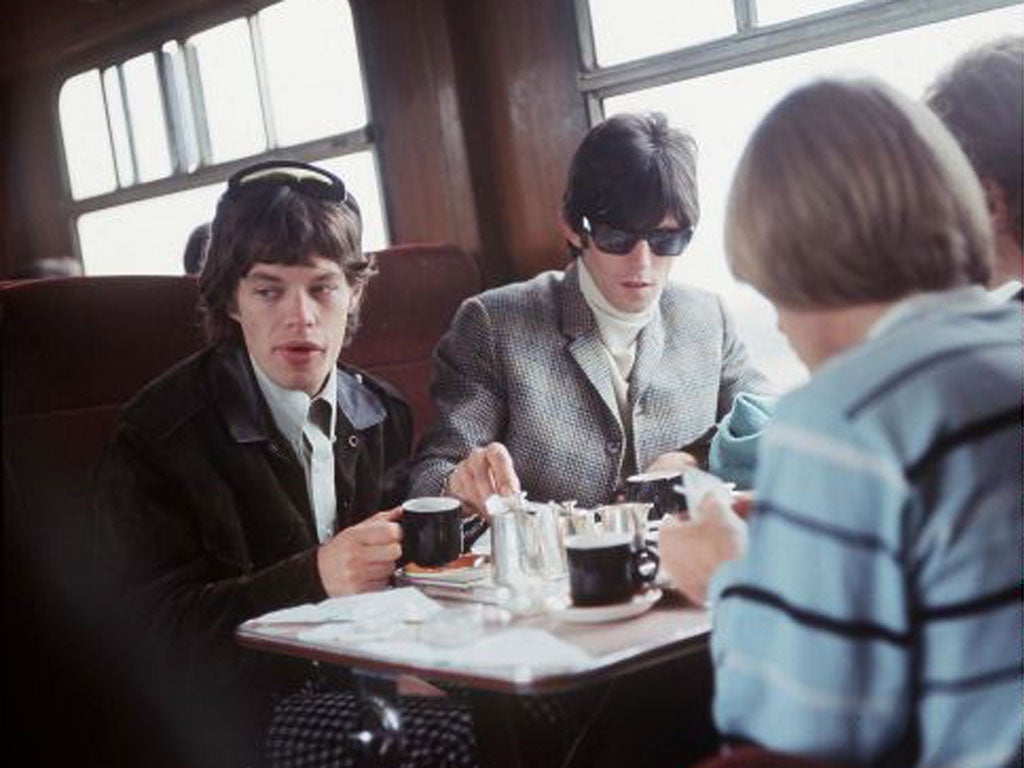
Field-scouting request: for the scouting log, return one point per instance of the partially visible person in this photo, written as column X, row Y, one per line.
column 249, row 478
column 565, row 385
column 872, row 613
column 980, row 98
column 195, row 249
column 51, row 266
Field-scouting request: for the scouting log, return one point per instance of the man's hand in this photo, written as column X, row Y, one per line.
column 691, row 550
column 674, row 461
column 485, row 472
column 361, row 558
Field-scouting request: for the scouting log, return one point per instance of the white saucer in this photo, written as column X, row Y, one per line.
column 452, row 573
column 617, row 612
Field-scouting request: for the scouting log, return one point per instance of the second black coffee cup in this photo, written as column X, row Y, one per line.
column 431, row 530
column 606, row 568
column 656, row 488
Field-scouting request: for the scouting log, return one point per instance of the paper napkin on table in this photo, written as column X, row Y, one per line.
column 528, row 647
column 404, row 604
column 697, row 484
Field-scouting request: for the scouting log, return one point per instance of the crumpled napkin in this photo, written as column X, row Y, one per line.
column 698, row 483
column 733, row 453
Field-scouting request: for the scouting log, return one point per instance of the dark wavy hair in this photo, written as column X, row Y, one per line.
column 630, row 171
column 276, row 224
column 981, row 100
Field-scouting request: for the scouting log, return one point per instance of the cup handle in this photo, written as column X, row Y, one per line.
column 645, row 565
column 472, row 530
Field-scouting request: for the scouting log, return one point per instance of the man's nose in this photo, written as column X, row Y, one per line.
column 301, row 309
column 641, row 254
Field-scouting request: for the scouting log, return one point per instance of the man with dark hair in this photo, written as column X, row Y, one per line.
column 247, row 479
column 981, row 101
column 566, row 384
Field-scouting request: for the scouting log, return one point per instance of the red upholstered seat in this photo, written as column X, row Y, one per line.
column 74, row 351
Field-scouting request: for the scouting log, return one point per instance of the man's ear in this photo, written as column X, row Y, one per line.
column 998, row 207
column 569, row 234
column 355, row 298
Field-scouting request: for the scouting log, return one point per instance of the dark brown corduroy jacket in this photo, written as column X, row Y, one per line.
column 204, row 521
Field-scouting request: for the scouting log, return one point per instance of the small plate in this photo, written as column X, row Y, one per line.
column 468, row 567
column 598, row 614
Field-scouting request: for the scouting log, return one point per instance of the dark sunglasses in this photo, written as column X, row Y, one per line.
column 663, row 242
column 303, row 178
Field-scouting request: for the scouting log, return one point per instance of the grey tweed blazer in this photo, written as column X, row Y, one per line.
column 524, row 365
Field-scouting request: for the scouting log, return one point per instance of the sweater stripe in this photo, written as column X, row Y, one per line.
column 842, row 535
column 995, row 677
column 969, row 433
column 854, row 630
column 1012, row 595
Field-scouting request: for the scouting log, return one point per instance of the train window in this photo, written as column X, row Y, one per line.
column 142, row 101
column 662, row 30
column 719, row 94
column 152, row 138
column 298, row 83
column 775, row 11
column 118, row 123
column 90, row 172
column 146, row 236
column 153, row 232
column 230, row 94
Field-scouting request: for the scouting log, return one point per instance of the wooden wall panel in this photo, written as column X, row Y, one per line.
column 36, row 227
column 525, row 118
column 413, row 93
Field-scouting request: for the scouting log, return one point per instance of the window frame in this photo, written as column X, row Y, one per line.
column 205, row 172
column 753, row 44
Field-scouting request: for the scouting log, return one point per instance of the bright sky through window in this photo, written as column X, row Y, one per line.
column 721, row 111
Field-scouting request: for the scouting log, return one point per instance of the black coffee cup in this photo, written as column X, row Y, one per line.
column 656, row 488
column 606, row 568
column 431, row 530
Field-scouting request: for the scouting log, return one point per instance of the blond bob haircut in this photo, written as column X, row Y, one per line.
column 849, row 193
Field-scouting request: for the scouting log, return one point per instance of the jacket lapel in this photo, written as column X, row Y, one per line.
column 585, row 345
column 248, row 421
column 650, row 345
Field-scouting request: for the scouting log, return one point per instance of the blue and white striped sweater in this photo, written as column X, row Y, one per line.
column 877, row 615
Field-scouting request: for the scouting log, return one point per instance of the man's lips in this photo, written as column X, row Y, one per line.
column 299, row 351
column 637, row 283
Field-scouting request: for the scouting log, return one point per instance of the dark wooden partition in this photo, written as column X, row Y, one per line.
column 474, row 104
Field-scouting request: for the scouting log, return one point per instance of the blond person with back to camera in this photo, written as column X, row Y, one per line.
column 882, row 564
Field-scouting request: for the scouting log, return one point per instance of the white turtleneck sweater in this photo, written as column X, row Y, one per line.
column 618, row 331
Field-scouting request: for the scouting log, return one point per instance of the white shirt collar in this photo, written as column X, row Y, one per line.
column 1008, row 290
column 955, row 300
column 290, row 407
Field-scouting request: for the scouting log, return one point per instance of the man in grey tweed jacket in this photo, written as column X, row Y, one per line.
column 566, row 384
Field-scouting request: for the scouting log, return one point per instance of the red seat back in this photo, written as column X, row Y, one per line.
column 408, row 307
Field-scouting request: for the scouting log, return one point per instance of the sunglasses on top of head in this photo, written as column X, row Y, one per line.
column 663, row 242
column 303, row 178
